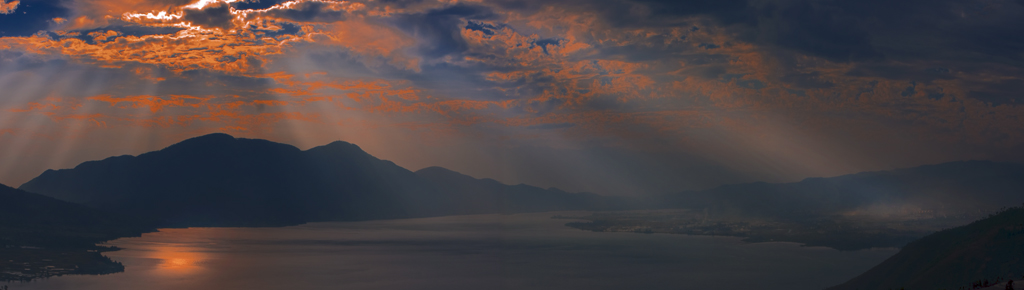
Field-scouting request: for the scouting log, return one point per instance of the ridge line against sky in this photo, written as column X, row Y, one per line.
column 613, row 97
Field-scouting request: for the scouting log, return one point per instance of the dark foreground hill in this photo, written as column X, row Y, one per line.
column 219, row 180
column 991, row 249
column 41, row 236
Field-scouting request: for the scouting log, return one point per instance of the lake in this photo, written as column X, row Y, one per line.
column 522, row 251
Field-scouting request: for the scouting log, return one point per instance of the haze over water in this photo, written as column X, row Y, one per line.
column 523, row 251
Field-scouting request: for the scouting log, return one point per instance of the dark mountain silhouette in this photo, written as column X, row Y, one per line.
column 219, row 180
column 986, row 250
column 949, row 188
column 41, row 236
column 28, row 219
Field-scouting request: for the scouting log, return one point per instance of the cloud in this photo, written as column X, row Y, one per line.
column 8, row 7
column 217, row 15
column 437, row 29
column 24, row 19
column 315, row 11
column 155, row 104
column 820, row 30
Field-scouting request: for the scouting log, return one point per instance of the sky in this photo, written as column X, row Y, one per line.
column 614, row 97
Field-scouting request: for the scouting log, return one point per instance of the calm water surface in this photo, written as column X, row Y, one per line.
column 524, row 251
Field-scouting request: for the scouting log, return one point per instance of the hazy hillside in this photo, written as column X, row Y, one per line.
column 850, row 212
column 984, row 250
column 28, row 219
column 41, row 236
column 955, row 188
column 471, row 196
column 218, row 180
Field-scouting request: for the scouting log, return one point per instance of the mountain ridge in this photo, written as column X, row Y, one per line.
column 928, row 187
column 216, row 180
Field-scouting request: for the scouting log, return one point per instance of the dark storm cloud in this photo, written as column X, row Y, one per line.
column 853, row 30
column 869, row 30
column 818, row 30
column 844, row 30
column 309, row 11
column 256, row 4
column 30, row 17
column 897, row 30
column 216, row 15
column 1007, row 92
column 639, row 13
column 914, row 40
column 439, row 29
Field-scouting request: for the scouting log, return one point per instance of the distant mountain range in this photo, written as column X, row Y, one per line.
column 956, row 188
column 219, row 180
column 986, row 250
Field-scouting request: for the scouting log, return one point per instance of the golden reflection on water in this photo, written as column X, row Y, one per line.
column 175, row 259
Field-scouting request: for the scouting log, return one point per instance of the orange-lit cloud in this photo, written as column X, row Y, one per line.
column 155, row 104
column 8, row 7
column 185, row 50
column 211, row 35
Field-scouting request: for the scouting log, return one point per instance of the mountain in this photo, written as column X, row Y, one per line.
column 954, row 188
column 41, row 236
column 28, row 219
column 986, row 250
column 219, row 180
column 199, row 182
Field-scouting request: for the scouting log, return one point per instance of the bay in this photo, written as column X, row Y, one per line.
column 521, row 251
